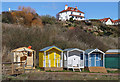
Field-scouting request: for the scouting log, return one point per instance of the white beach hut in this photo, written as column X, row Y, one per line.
column 73, row 59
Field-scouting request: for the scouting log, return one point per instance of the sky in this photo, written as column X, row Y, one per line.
column 92, row 10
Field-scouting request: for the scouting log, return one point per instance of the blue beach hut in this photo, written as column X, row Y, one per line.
column 94, row 58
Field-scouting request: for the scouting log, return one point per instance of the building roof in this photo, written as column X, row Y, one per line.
column 116, row 21
column 91, row 50
column 72, row 9
column 88, row 50
column 113, row 51
column 106, row 19
column 22, row 49
column 49, row 47
column 77, row 15
column 69, row 49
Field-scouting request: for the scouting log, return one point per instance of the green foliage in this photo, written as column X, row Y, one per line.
column 71, row 20
column 47, row 19
column 117, row 71
column 7, row 17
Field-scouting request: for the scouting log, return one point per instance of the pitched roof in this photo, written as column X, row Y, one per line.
column 22, row 49
column 113, row 50
column 72, row 9
column 106, row 19
column 116, row 21
column 90, row 51
column 47, row 48
column 69, row 49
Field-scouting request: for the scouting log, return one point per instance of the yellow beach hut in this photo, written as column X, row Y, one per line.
column 51, row 58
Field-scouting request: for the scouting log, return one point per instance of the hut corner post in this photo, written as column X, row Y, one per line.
column 34, row 58
column 44, row 59
column 61, row 59
column 103, row 60
column 88, row 60
column 67, row 60
column 12, row 68
column 83, row 60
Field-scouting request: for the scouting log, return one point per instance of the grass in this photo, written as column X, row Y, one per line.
column 61, row 71
column 117, row 71
column 61, row 76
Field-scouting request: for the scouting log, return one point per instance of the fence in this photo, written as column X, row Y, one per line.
column 11, row 68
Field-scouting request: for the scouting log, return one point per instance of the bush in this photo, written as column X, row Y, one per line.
column 47, row 19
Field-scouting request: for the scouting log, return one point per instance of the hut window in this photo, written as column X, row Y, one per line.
column 16, row 58
column 81, row 56
column 29, row 53
column 23, row 58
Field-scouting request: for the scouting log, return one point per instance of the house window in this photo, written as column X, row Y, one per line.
column 71, row 12
column 72, row 16
column 80, row 13
column 80, row 17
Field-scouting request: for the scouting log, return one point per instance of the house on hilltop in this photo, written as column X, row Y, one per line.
column 116, row 22
column 107, row 21
column 70, row 12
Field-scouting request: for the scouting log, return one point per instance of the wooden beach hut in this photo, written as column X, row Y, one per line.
column 94, row 60
column 26, row 55
column 112, row 58
column 73, row 59
column 51, row 58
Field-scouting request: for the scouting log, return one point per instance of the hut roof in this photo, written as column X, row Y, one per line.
column 22, row 49
column 88, row 51
column 49, row 47
column 112, row 51
column 69, row 49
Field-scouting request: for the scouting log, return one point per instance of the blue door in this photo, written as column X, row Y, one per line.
column 92, row 56
column 98, row 60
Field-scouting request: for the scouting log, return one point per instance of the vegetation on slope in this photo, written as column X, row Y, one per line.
column 21, row 28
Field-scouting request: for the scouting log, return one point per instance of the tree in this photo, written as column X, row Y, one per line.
column 27, row 9
column 71, row 20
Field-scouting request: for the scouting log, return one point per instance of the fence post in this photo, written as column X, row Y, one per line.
column 12, row 68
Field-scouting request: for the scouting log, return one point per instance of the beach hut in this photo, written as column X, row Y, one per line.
column 73, row 59
column 26, row 55
column 51, row 58
column 94, row 58
column 112, row 58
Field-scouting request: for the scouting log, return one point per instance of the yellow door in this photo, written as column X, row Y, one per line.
column 51, row 55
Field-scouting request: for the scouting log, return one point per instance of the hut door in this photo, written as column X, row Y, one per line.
column 22, row 59
column 92, row 60
column 98, row 60
column 75, row 61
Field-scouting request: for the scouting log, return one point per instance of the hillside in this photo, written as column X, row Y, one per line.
column 41, row 31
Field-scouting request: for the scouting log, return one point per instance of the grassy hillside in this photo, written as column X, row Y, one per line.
column 42, row 31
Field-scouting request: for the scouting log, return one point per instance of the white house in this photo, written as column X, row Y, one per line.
column 107, row 21
column 69, row 12
column 116, row 22
column 73, row 59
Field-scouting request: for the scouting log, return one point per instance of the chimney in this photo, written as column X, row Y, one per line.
column 66, row 6
column 76, row 7
column 9, row 9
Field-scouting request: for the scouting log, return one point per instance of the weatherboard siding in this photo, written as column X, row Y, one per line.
column 52, row 58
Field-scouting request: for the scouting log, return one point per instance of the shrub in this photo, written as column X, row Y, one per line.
column 47, row 19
